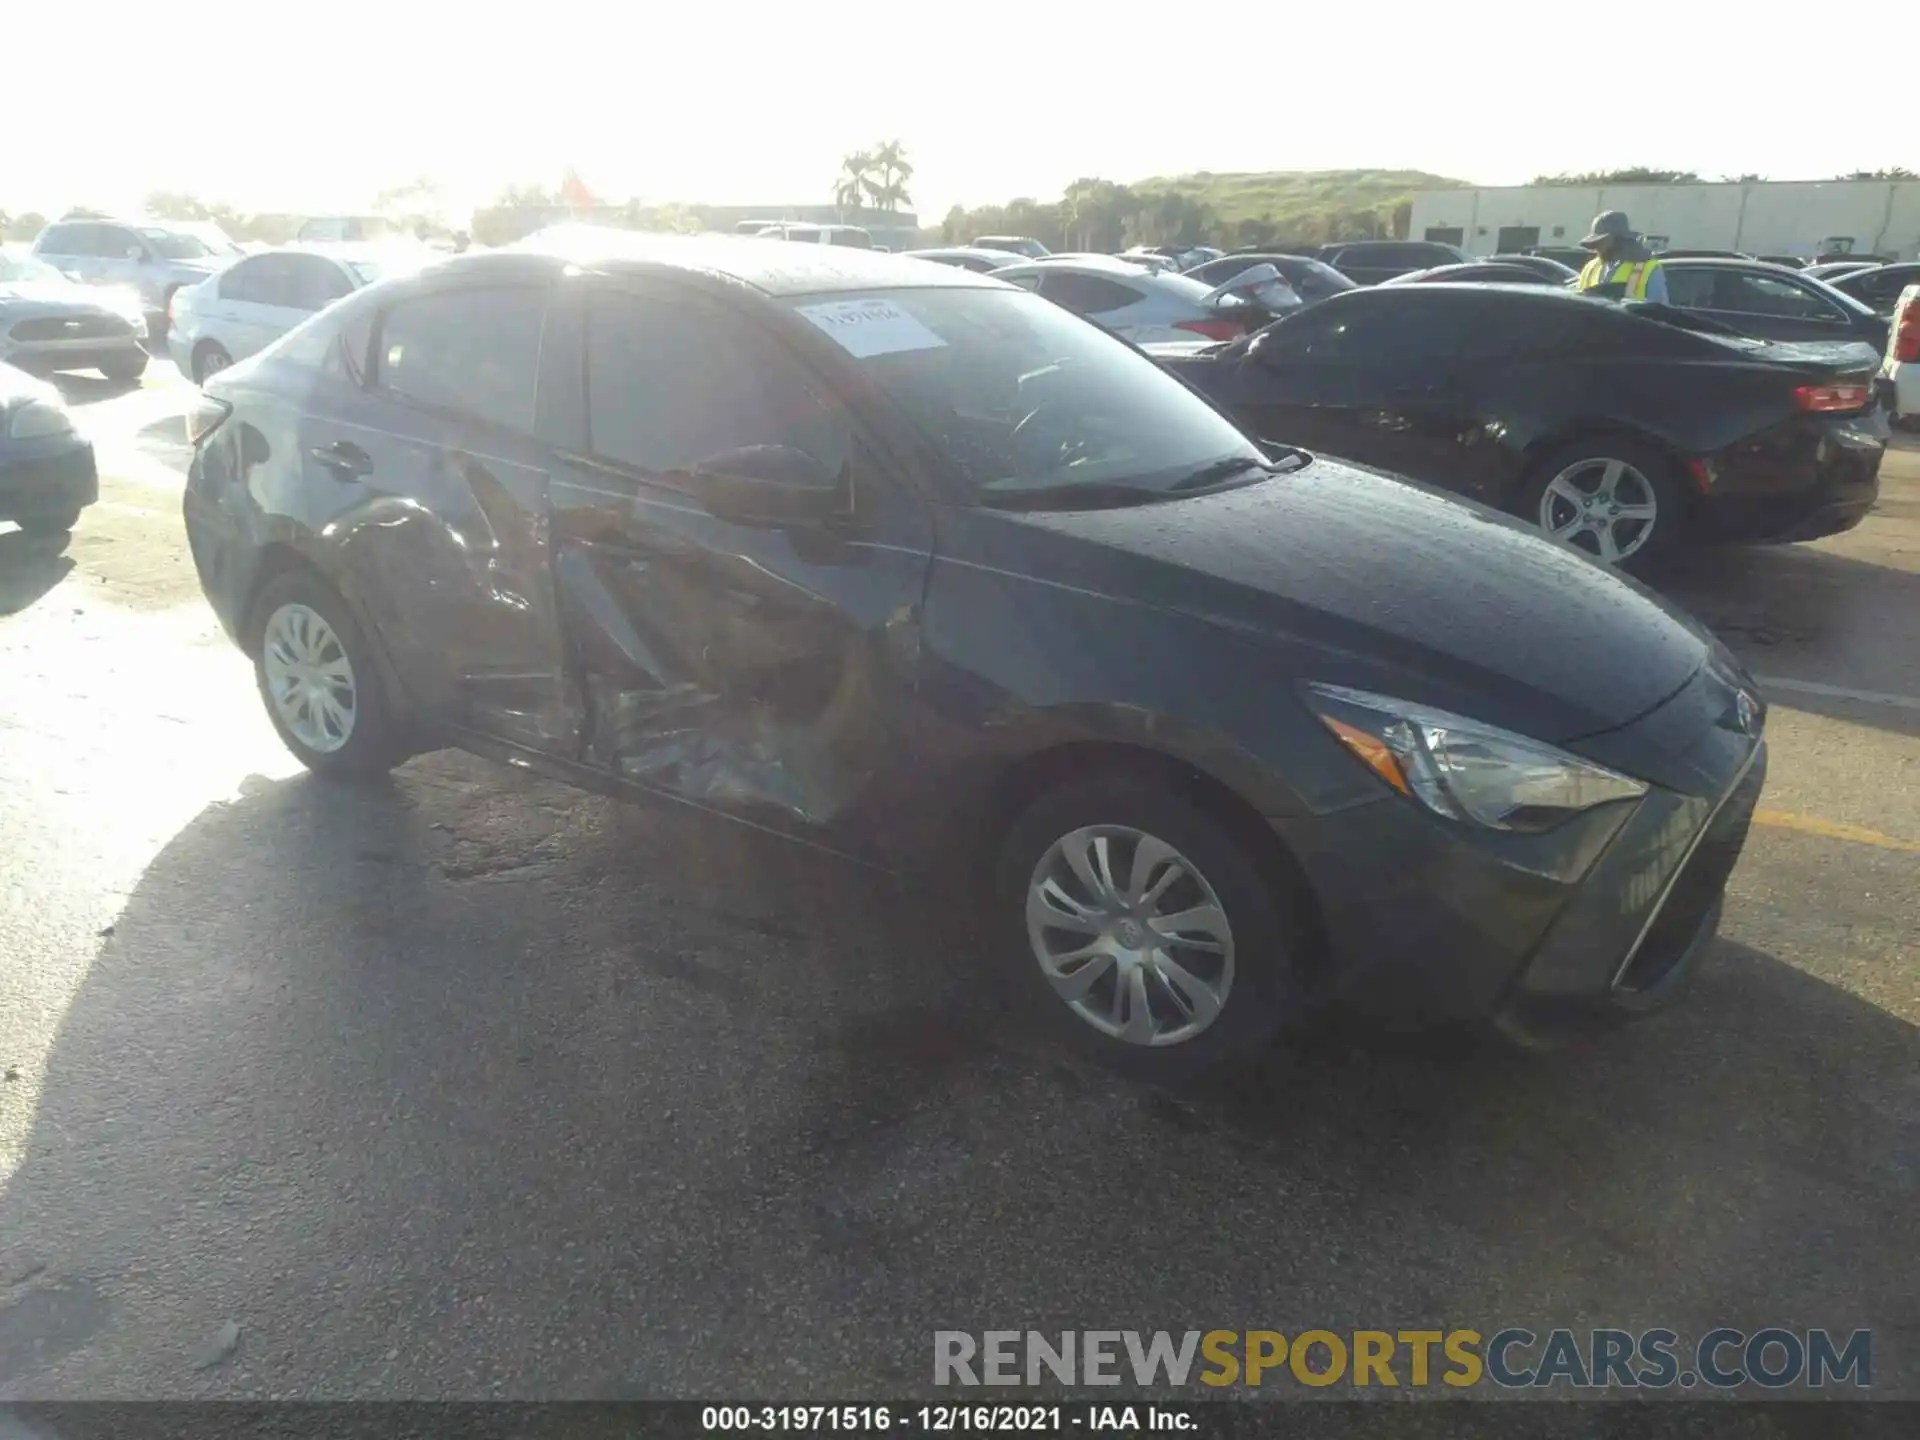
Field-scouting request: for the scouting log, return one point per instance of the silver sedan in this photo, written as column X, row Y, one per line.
column 1133, row 302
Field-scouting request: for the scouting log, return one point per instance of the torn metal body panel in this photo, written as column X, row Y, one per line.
column 764, row 673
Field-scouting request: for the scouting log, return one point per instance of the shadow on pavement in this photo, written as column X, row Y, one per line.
column 85, row 387
column 477, row 1087
column 1810, row 613
column 30, row 566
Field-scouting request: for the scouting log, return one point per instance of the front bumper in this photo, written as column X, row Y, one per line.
column 1815, row 476
column 1425, row 921
column 46, row 477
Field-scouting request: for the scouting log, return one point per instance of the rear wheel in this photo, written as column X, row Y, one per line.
column 1616, row 499
column 1145, row 932
column 319, row 681
column 57, row 523
column 209, row 358
column 130, row 366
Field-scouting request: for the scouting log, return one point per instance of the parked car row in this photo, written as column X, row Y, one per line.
column 258, row 298
column 901, row 561
column 1609, row 426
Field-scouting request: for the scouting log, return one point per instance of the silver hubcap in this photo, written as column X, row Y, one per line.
column 1605, row 507
column 1130, row 934
column 309, row 678
column 213, row 362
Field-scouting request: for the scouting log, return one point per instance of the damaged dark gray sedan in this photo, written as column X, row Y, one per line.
column 901, row 561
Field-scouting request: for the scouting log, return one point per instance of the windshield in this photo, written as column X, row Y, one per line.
column 176, row 245
column 23, row 269
column 1031, row 406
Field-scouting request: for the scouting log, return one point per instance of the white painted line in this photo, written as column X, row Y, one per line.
column 1839, row 692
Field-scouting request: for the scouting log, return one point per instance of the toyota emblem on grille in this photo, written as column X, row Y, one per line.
column 1746, row 712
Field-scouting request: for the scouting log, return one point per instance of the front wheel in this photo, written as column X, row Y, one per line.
column 1146, row 932
column 1618, row 500
column 61, row 522
column 320, row 683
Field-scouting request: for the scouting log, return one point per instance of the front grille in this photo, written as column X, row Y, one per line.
column 69, row 327
column 1696, row 890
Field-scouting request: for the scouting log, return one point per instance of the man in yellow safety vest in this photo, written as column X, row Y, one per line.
column 1622, row 267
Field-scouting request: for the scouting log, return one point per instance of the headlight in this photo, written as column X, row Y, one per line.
column 39, row 417
column 1466, row 770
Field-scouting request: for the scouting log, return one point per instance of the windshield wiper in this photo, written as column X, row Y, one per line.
column 1234, row 465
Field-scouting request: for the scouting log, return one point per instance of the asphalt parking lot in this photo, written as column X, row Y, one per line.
column 477, row 1087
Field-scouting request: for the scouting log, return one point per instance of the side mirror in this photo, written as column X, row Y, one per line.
column 770, row 485
column 134, row 252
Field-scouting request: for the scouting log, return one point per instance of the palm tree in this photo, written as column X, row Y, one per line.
column 888, row 185
column 855, row 172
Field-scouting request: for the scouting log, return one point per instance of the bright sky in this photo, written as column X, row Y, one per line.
column 316, row 107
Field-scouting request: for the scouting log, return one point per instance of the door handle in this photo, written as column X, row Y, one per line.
column 345, row 460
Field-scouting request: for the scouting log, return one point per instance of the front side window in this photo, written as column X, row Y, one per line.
column 1027, row 405
column 474, row 351
column 176, row 244
column 673, row 381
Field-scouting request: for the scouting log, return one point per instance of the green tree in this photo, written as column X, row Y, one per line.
column 887, row 182
column 176, row 205
column 1897, row 172
column 850, row 186
column 26, row 226
column 1633, row 175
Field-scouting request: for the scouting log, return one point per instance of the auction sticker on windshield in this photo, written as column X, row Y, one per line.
column 865, row 328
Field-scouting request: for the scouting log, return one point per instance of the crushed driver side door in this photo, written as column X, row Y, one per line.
column 764, row 671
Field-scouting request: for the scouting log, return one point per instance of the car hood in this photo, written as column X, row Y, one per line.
column 1359, row 578
column 50, row 298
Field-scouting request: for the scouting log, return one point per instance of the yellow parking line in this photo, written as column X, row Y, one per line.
column 1832, row 830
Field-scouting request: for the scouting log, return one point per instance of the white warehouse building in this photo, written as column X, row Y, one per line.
column 1764, row 217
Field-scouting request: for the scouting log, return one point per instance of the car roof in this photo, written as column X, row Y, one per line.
column 1098, row 264
column 1728, row 262
column 985, row 252
column 774, row 267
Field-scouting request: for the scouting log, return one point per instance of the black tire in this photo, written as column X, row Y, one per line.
column 60, row 522
column 127, row 367
column 1661, row 473
column 376, row 741
column 209, row 358
column 1264, row 921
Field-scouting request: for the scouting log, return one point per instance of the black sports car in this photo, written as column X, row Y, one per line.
column 1623, row 429
column 875, row 554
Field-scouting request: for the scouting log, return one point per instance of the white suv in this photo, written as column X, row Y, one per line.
column 1902, row 364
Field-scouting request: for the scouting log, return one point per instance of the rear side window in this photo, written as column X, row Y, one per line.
column 858, row 239
column 59, row 240
column 475, row 352
column 673, row 381
column 1881, row 288
column 261, row 281
column 315, row 283
column 1088, row 294
column 1769, row 296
